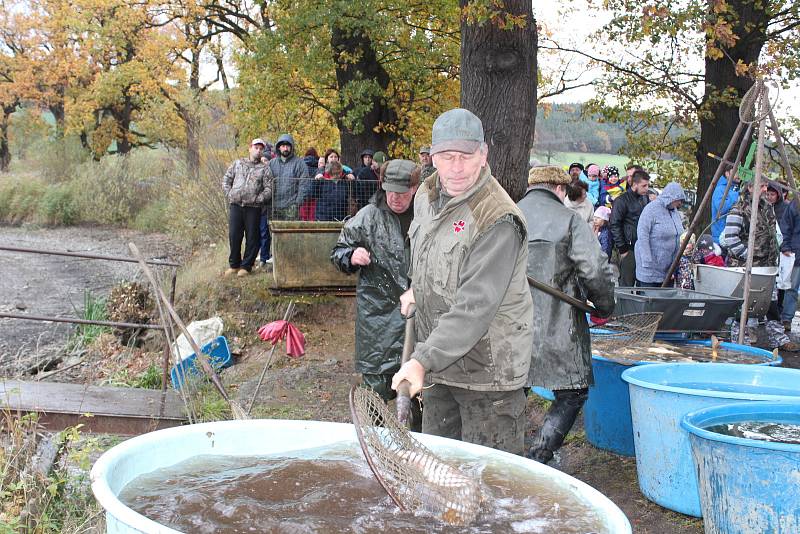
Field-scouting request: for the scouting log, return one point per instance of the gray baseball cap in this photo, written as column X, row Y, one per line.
column 457, row 129
column 397, row 178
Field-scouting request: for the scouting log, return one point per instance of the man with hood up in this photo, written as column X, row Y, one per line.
column 291, row 179
column 658, row 236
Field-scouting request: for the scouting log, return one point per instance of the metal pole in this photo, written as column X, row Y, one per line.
column 85, row 255
column 703, row 204
column 26, row 316
column 753, row 214
column 784, row 158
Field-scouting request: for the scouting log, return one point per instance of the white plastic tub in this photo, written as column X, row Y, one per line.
column 149, row 452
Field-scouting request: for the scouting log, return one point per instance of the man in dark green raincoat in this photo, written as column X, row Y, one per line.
column 375, row 243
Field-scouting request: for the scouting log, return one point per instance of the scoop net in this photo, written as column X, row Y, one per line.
column 413, row 476
column 625, row 331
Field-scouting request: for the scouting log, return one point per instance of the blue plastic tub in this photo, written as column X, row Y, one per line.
column 662, row 394
column 746, row 486
column 607, row 413
column 218, row 353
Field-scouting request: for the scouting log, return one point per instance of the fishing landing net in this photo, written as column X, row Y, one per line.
column 413, row 476
column 625, row 331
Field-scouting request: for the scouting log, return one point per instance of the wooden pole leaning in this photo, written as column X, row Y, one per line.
column 706, row 200
column 784, row 158
column 764, row 99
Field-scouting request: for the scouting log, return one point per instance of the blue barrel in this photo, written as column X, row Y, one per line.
column 662, row 394
column 746, row 486
column 607, row 413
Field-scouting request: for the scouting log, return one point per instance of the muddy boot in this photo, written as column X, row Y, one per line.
column 557, row 423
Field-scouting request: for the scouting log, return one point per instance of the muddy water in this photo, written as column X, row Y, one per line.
column 760, row 430
column 666, row 352
column 335, row 492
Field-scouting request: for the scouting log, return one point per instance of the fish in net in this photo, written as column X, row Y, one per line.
column 414, row 477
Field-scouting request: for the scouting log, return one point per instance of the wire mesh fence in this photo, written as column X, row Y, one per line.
column 321, row 198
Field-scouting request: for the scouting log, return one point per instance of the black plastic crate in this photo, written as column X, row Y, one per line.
column 683, row 310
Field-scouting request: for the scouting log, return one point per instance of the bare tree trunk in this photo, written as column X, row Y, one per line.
column 718, row 126
column 5, row 152
column 361, row 134
column 498, row 84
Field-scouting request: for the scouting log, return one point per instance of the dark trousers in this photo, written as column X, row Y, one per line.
column 639, row 283
column 266, row 238
column 243, row 223
column 493, row 419
column 627, row 270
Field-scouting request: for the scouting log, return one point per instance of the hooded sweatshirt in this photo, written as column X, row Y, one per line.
column 291, row 176
column 658, row 233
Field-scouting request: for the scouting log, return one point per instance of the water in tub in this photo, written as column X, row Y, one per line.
column 760, row 430
column 332, row 490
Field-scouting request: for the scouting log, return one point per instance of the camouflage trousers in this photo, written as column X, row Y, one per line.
column 776, row 337
column 493, row 419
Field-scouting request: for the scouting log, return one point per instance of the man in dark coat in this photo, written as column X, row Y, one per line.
column 375, row 244
column 625, row 214
column 562, row 253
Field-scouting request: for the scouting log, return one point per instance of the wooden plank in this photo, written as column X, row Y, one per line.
column 111, row 409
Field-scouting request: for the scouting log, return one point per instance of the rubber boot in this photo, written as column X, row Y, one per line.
column 557, row 423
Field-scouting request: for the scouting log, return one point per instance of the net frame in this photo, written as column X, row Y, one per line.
column 413, row 476
column 631, row 330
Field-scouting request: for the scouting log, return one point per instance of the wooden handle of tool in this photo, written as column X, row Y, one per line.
column 408, row 348
column 560, row 295
column 182, row 327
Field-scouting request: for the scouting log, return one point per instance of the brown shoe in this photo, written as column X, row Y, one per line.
column 230, row 271
column 790, row 347
column 243, row 272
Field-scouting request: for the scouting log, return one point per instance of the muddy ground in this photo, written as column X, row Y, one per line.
column 312, row 387
column 54, row 285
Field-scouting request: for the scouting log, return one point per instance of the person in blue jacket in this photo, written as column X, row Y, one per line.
column 719, row 211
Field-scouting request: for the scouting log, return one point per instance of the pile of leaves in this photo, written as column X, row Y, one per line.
column 129, row 302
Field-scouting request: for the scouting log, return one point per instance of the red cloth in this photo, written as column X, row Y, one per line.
column 597, row 321
column 278, row 330
column 713, row 259
column 308, row 210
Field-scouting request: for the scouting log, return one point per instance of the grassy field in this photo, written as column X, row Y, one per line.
column 564, row 159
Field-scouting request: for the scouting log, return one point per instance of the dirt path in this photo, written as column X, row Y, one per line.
column 55, row 285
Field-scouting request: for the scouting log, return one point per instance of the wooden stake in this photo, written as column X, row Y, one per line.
column 706, row 199
column 764, row 99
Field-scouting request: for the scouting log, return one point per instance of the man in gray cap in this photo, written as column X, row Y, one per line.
column 474, row 308
column 374, row 243
column 425, row 161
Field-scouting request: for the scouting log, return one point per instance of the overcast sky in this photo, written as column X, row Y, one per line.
column 571, row 21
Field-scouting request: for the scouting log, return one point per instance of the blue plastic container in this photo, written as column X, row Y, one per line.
column 746, row 486
column 607, row 412
column 662, row 394
column 218, row 353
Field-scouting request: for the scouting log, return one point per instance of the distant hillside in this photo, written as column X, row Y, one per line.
column 561, row 128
